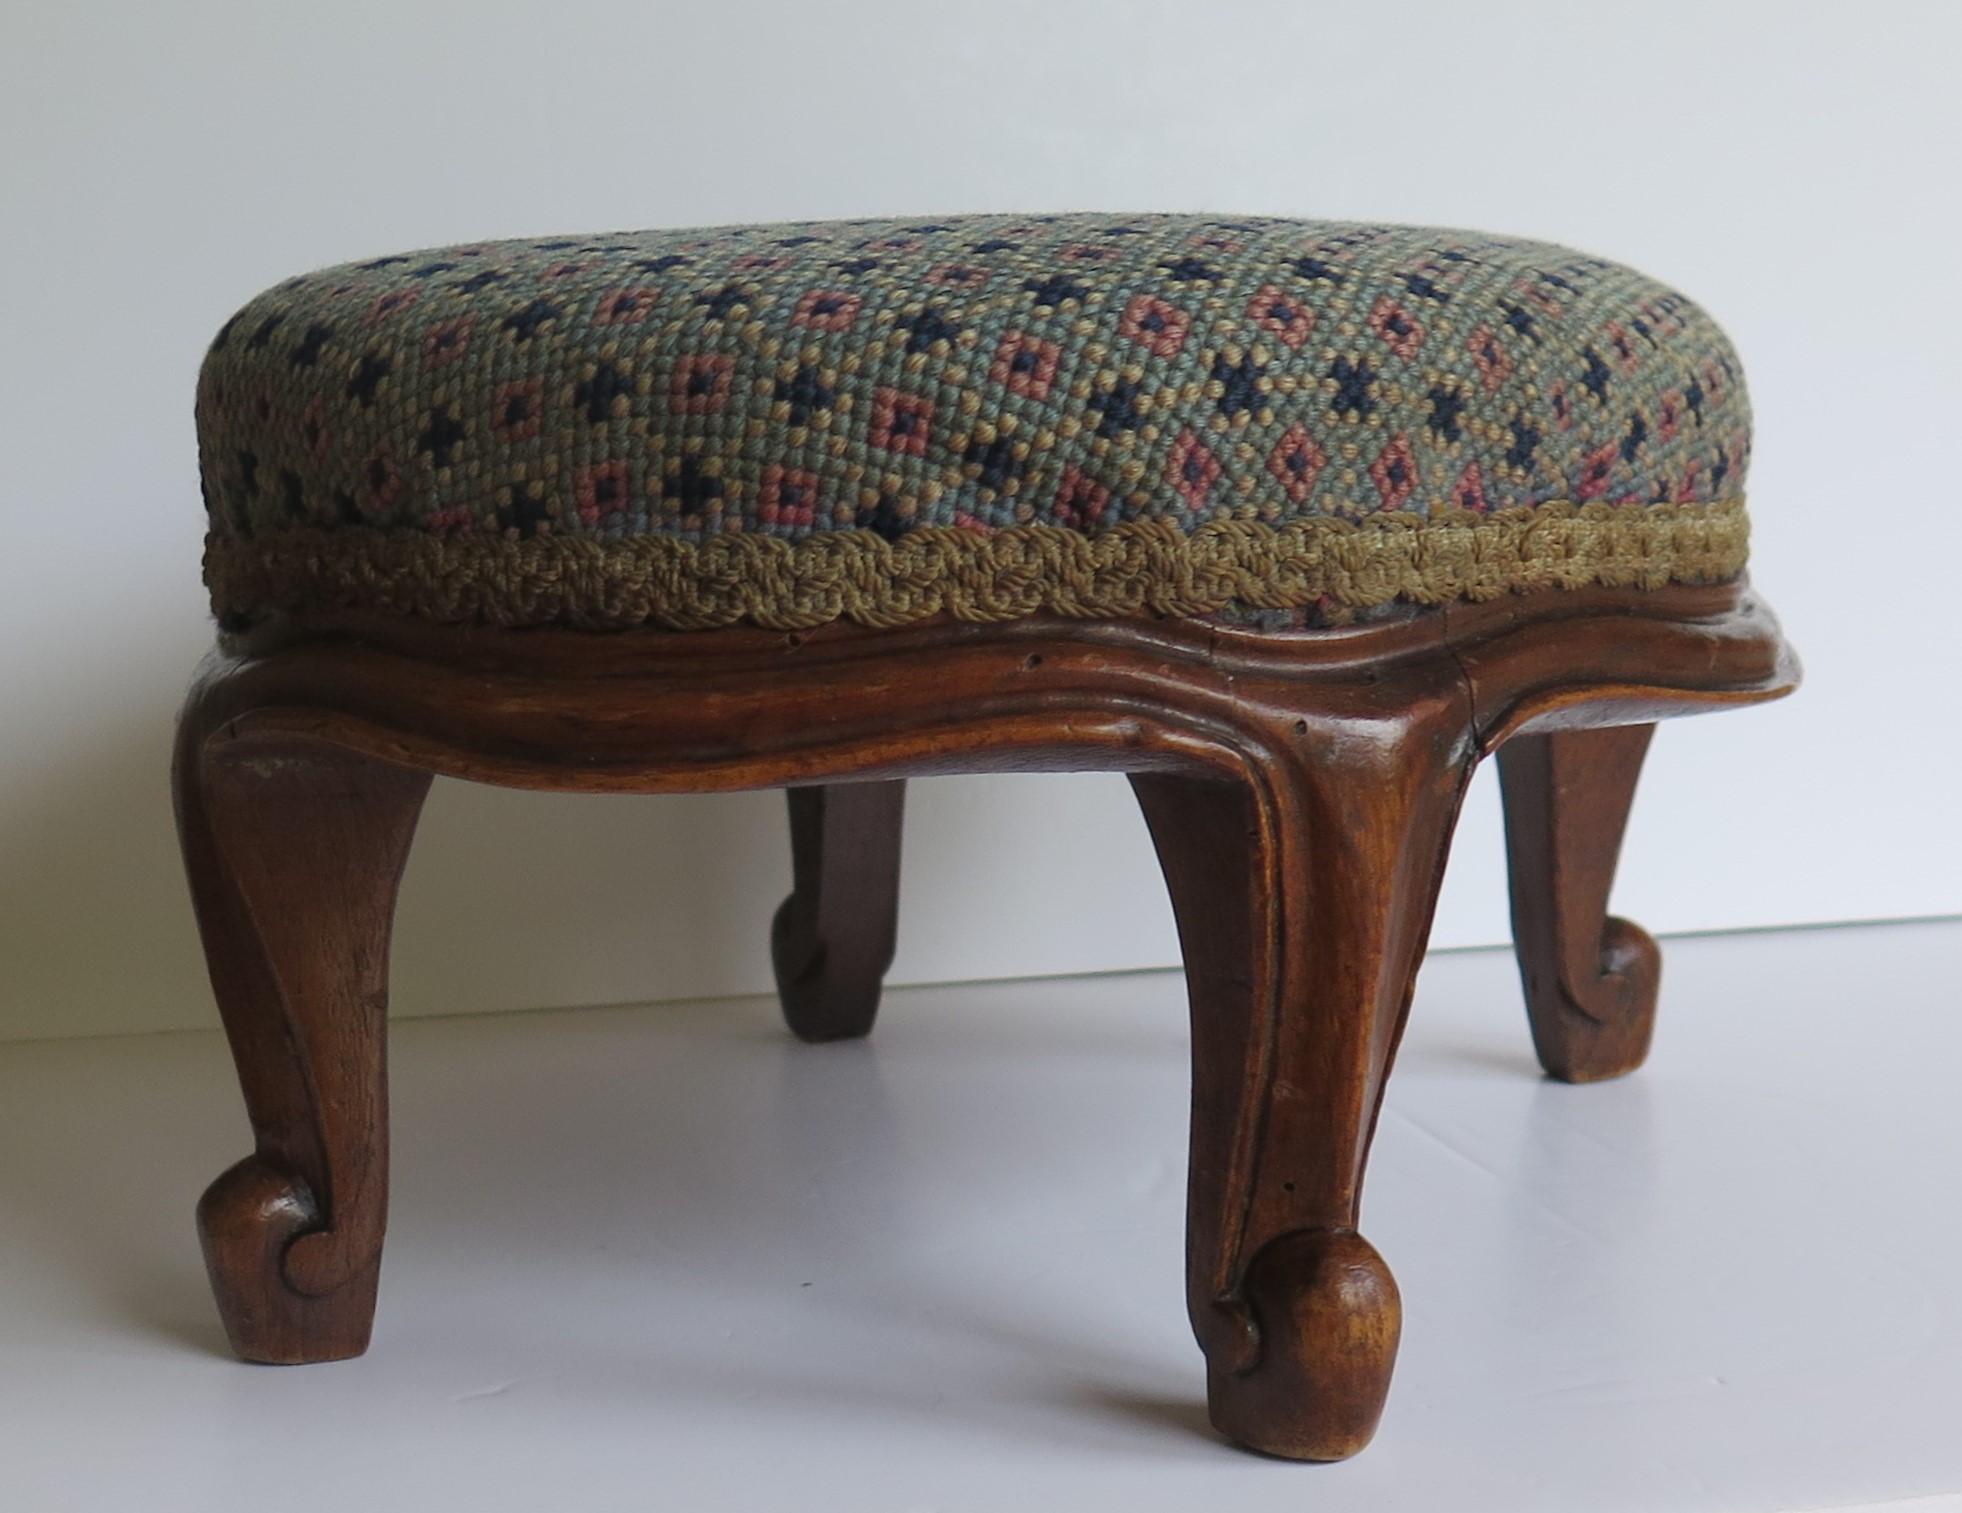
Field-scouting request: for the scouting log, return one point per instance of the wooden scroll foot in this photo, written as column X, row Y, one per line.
column 1591, row 979
column 832, row 939
column 1303, row 899
column 1323, row 1321
column 294, row 849
column 249, row 1220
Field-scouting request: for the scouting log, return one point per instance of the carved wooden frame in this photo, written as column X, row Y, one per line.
column 1300, row 787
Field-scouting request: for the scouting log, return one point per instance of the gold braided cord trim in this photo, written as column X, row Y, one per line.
column 1147, row 567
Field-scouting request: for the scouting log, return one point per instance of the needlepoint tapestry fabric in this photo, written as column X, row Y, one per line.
column 984, row 417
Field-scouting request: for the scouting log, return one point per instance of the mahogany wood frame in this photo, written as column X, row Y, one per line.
column 1300, row 787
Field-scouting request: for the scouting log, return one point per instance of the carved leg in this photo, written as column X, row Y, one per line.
column 294, row 850
column 1303, row 906
column 832, row 939
column 1591, row 979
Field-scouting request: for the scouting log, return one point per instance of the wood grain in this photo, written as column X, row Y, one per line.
column 294, row 848
column 1300, row 788
column 1591, row 979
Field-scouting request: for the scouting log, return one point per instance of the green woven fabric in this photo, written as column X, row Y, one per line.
column 1082, row 372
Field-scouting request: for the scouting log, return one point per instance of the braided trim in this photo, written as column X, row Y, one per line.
column 1146, row 567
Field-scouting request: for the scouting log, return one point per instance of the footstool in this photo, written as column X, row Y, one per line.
column 1290, row 521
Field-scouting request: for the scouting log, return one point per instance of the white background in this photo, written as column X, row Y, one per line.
column 1792, row 166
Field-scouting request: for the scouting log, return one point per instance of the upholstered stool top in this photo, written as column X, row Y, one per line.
column 987, row 417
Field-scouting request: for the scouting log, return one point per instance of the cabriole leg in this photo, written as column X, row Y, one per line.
column 1303, row 903
column 832, row 939
column 294, row 850
column 1591, row 979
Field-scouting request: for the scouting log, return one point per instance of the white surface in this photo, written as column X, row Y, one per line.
column 668, row 1258
column 1783, row 163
